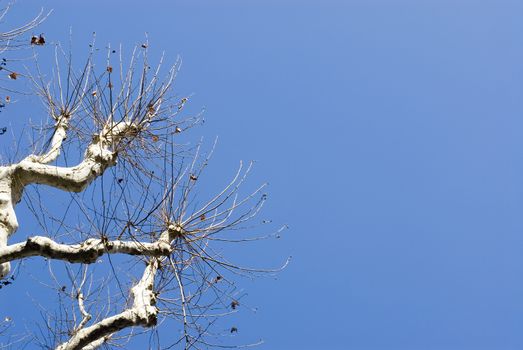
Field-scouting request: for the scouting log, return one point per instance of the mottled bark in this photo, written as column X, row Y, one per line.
column 142, row 312
column 86, row 252
column 34, row 169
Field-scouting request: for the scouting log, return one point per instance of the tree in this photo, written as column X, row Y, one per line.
column 116, row 148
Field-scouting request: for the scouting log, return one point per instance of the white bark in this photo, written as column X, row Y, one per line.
column 140, row 106
column 59, row 136
column 34, row 169
column 86, row 252
column 142, row 312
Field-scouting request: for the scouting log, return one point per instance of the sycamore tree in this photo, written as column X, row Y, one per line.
column 111, row 177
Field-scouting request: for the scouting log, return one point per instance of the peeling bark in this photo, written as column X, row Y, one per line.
column 143, row 312
column 34, row 169
column 86, row 252
column 138, row 104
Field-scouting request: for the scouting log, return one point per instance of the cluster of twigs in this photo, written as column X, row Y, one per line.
column 143, row 204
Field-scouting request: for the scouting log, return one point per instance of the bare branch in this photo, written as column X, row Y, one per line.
column 143, row 312
column 87, row 252
column 146, row 207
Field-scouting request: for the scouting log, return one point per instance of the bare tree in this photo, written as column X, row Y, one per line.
column 117, row 147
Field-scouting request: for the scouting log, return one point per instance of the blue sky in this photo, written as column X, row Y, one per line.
column 390, row 133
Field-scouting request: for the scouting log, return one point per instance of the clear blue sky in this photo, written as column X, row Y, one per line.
column 391, row 134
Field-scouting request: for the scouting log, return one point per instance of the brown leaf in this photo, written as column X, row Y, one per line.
column 202, row 217
column 13, row 75
column 217, row 279
column 109, row 69
column 235, row 304
column 150, row 109
column 155, row 138
column 182, row 102
column 37, row 40
column 177, row 130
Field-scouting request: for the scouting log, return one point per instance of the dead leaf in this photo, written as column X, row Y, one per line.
column 150, row 109
column 182, row 102
column 37, row 40
column 217, row 279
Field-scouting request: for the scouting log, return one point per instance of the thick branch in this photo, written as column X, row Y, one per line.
column 72, row 179
column 142, row 313
column 99, row 156
column 59, row 136
column 87, row 252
